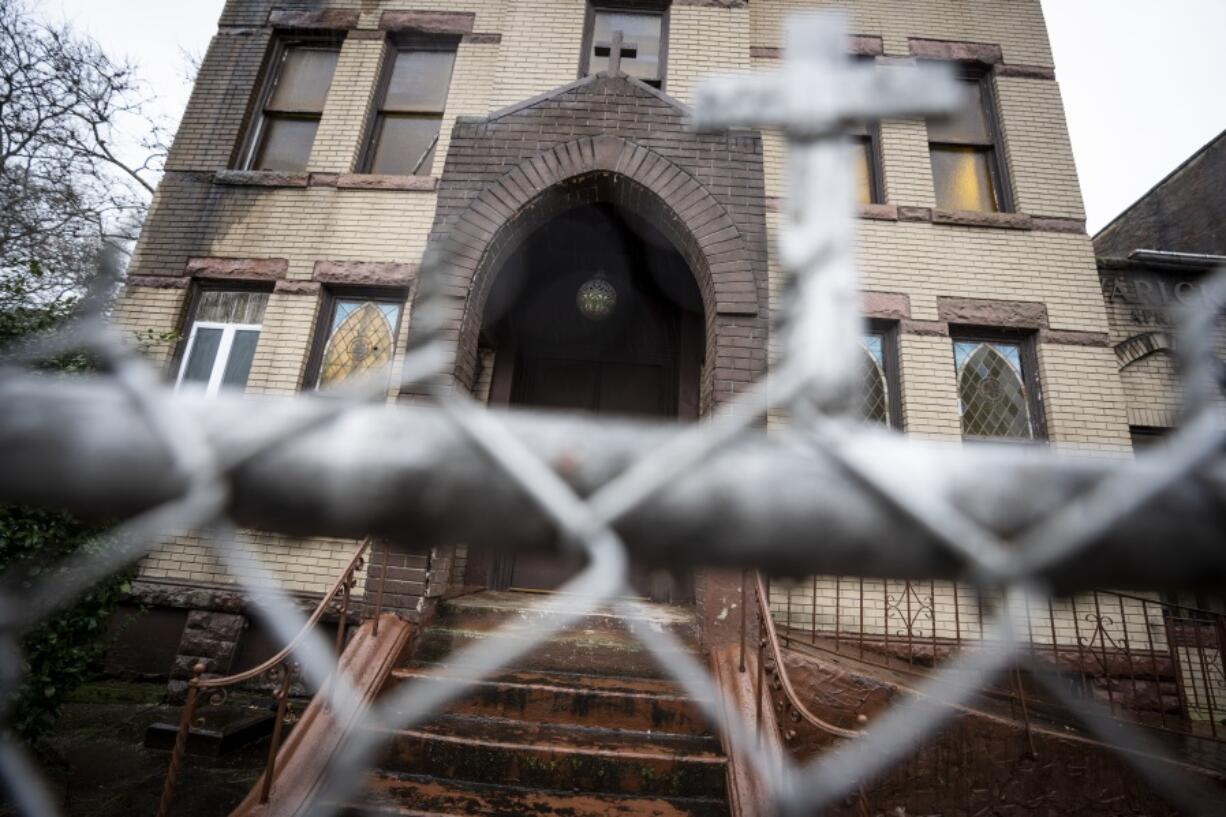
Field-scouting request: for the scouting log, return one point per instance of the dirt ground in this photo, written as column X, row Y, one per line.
column 95, row 765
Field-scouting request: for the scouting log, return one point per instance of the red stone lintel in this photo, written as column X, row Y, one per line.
column 858, row 46
column 260, row 178
column 157, row 281
column 1045, row 224
column 885, row 305
column 297, row 287
column 1024, row 71
column 429, row 22
column 372, row 181
column 878, row 212
column 1070, row 337
column 938, row 329
column 365, row 273
column 332, row 19
column 974, row 218
column 992, row 312
column 906, row 213
column 238, row 269
column 985, row 53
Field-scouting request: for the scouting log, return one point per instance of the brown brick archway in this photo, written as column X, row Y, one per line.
column 479, row 239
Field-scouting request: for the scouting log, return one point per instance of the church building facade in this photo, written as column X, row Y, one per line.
column 601, row 254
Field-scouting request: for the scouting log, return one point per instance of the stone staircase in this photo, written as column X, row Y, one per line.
column 586, row 725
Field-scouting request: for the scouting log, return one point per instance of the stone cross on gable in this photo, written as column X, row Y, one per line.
column 615, row 54
column 817, row 96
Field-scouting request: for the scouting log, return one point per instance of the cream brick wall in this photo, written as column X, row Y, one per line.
column 930, row 260
column 320, row 223
column 1152, row 386
column 489, row 13
column 344, row 125
column 1037, row 146
column 305, row 565
column 142, row 314
column 1083, row 399
column 704, row 40
column 540, row 50
column 1016, row 25
column 541, row 44
column 929, row 387
column 285, row 339
column 906, row 166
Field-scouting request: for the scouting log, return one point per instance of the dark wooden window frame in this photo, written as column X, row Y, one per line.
column 997, row 170
column 327, row 312
column 394, row 45
column 876, row 174
column 281, row 43
column 660, row 7
column 1027, row 341
column 888, row 330
column 187, row 314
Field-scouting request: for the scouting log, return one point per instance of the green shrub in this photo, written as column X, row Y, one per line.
column 59, row 654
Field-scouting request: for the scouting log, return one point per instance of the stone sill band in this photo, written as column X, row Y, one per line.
column 960, row 218
column 890, row 306
column 341, row 181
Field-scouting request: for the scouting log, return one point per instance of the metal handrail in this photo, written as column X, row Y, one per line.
column 1144, row 650
column 769, row 638
column 280, row 668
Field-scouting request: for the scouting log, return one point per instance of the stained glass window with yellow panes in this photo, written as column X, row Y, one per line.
column 965, row 169
column 361, row 340
column 992, row 388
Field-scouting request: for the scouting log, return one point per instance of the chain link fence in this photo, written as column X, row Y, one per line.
column 1012, row 524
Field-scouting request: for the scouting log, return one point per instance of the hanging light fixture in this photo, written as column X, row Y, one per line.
column 596, row 298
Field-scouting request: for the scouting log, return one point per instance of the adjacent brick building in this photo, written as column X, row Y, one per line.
column 328, row 143
column 1152, row 260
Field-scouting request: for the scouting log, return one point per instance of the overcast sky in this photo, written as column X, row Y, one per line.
column 1144, row 81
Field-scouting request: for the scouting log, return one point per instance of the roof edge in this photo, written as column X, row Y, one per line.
column 1168, row 177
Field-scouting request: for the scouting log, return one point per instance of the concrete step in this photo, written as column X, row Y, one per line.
column 491, row 609
column 389, row 795
column 596, row 652
column 600, row 643
column 641, row 704
column 581, row 759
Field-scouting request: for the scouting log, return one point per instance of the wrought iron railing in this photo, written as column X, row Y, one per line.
column 755, row 600
column 1150, row 660
column 280, row 671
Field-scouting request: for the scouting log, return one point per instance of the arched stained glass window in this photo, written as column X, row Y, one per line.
column 876, row 387
column 361, row 340
column 992, row 390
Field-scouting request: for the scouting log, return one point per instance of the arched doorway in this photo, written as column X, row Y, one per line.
column 594, row 311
